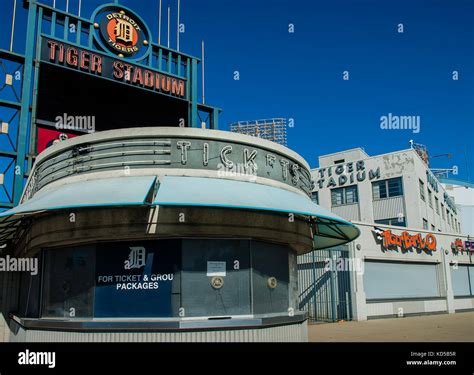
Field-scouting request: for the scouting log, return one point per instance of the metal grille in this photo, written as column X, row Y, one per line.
column 273, row 129
column 325, row 292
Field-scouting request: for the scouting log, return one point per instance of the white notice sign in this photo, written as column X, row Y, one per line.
column 215, row 268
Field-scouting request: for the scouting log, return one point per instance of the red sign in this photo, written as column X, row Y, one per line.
column 48, row 137
column 459, row 246
column 406, row 241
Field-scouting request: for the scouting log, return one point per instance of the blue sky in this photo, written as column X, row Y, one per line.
column 300, row 75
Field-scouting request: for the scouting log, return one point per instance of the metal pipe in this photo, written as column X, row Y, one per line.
column 177, row 35
column 332, row 276
column 80, row 3
column 159, row 23
column 67, row 6
column 169, row 15
column 203, row 66
column 13, row 26
column 54, row 3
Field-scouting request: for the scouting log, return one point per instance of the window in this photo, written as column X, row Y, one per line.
column 433, row 228
column 315, row 197
column 430, row 198
column 346, row 195
column 422, row 190
column 340, row 161
column 437, row 205
column 442, row 211
column 397, row 221
column 447, row 217
column 425, row 224
column 387, row 188
column 68, row 282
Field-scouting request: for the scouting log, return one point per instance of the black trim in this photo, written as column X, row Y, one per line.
column 158, row 326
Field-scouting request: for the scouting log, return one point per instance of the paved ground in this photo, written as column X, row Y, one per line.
column 429, row 328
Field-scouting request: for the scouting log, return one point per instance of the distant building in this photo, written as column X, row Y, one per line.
column 273, row 129
column 463, row 194
column 412, row 257
column 396, row 188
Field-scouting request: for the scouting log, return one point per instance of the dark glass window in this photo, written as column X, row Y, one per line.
column 315, row 197
column 205, row 259
column 387, row 188
column 345, row 195
column 163, row 278
column 422, row 190
column 68, row 283
column 30, row 285
column 399, row 222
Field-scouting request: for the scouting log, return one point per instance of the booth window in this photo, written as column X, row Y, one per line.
column 437, row 205
column 68, row 283
column 345, row 195
column 28, row 304
column 387, row 188
column 161, row 279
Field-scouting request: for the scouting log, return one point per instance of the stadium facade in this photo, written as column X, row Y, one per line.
column 412, row 257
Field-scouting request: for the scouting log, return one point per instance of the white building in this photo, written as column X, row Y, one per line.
column 394, row 189
column 463, row 194
column 410, row 258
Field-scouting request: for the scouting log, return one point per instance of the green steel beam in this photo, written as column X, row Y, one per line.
column 25, row 102
column 10, row 154
column 33, row 133
column 194, row 95
column 215, row 119
column 11, row 56
column 9, row 104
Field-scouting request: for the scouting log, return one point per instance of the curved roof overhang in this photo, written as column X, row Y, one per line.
column 328, row 229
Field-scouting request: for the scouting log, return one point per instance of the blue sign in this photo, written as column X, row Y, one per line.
column 135, row 279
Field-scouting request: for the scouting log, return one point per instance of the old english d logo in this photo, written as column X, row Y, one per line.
column 122, row 32
column 136, row 258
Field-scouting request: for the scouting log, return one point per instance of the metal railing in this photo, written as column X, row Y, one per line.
column 325, row 291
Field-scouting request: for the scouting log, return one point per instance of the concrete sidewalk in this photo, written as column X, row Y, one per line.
column 429, row 328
